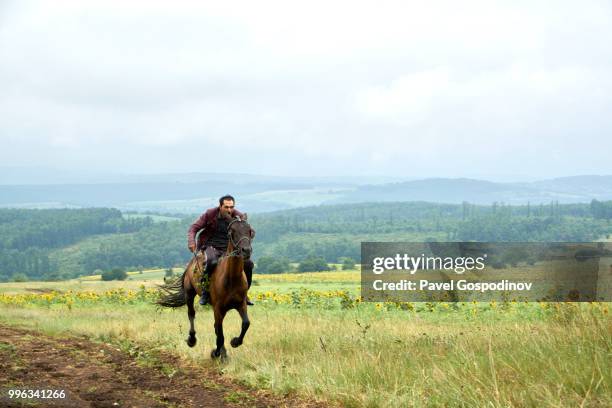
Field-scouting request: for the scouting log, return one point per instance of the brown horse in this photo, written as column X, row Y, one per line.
column 228, row 285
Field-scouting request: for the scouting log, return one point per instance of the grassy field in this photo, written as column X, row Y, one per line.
column 310, row 335
column 282, row 283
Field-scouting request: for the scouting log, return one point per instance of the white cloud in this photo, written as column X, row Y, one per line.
column 407, row 100
column 343, row 86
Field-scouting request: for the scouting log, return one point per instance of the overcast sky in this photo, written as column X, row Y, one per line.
column 488, row 89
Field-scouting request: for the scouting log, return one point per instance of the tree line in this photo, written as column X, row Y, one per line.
column 28, row 237
column 60, row 244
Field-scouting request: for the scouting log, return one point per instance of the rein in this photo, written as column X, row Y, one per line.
column 195, row 257
column 236, row 251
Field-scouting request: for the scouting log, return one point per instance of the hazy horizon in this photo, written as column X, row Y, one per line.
column 17, row 175
column 402, row 90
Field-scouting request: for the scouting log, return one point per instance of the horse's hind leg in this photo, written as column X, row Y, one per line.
column 220, row 350
column 237, row 341
column 191, row 340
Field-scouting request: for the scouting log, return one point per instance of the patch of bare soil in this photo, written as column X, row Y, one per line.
column 99, row 375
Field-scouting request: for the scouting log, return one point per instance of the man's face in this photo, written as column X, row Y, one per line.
column 226, row 208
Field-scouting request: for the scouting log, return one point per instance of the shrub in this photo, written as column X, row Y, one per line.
column 269, row 264
column 114, row 274
column 313, row 264
column 347, row 263
column 20, row 277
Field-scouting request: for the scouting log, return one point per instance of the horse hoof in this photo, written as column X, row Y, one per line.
column 221, row 354
column 235, row 342
column 191, row 341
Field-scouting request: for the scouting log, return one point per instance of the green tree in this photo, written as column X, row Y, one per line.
column 313, row 264
column 347, row 263
column 114, row 274
column 269, row 264
column 20, row 277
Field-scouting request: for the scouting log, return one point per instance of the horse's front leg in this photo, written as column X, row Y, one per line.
column 191, row 340
column 220, row 350
column 237, row 341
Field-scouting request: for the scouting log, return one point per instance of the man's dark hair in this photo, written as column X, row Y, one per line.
column 226, row 197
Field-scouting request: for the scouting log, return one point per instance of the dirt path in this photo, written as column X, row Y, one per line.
column 100, row 375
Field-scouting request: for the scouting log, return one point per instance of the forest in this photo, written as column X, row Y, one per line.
column 59, row 244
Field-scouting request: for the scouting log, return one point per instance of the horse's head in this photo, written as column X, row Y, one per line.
column 240, row 235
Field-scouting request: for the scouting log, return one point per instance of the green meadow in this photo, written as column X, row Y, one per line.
column 312, row 336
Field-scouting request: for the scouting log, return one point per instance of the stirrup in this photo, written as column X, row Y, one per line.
column 204, row 298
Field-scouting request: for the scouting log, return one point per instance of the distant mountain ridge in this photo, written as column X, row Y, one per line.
column 174, row 193
column 573, row 189
column 12, row 175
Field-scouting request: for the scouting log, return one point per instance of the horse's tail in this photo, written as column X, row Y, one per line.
column 173, row 294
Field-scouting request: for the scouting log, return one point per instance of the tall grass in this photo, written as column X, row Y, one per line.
column 540, row 355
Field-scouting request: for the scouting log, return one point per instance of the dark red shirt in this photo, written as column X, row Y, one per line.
column 207, row 222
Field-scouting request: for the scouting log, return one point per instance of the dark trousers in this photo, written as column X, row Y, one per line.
column 212, row 257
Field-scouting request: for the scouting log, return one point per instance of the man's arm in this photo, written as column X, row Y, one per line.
column 193, row 230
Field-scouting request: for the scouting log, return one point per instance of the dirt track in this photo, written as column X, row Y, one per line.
column 99, row 375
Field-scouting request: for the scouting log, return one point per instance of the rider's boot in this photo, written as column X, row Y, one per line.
column 204, row 299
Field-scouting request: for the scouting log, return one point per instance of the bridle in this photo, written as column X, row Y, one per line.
column 236, row 251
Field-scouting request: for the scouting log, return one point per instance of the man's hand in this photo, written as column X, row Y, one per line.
column 192, row 247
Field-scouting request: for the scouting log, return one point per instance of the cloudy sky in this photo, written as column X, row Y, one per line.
column 488, row 89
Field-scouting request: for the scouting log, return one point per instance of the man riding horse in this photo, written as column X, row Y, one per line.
column 214, row 239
